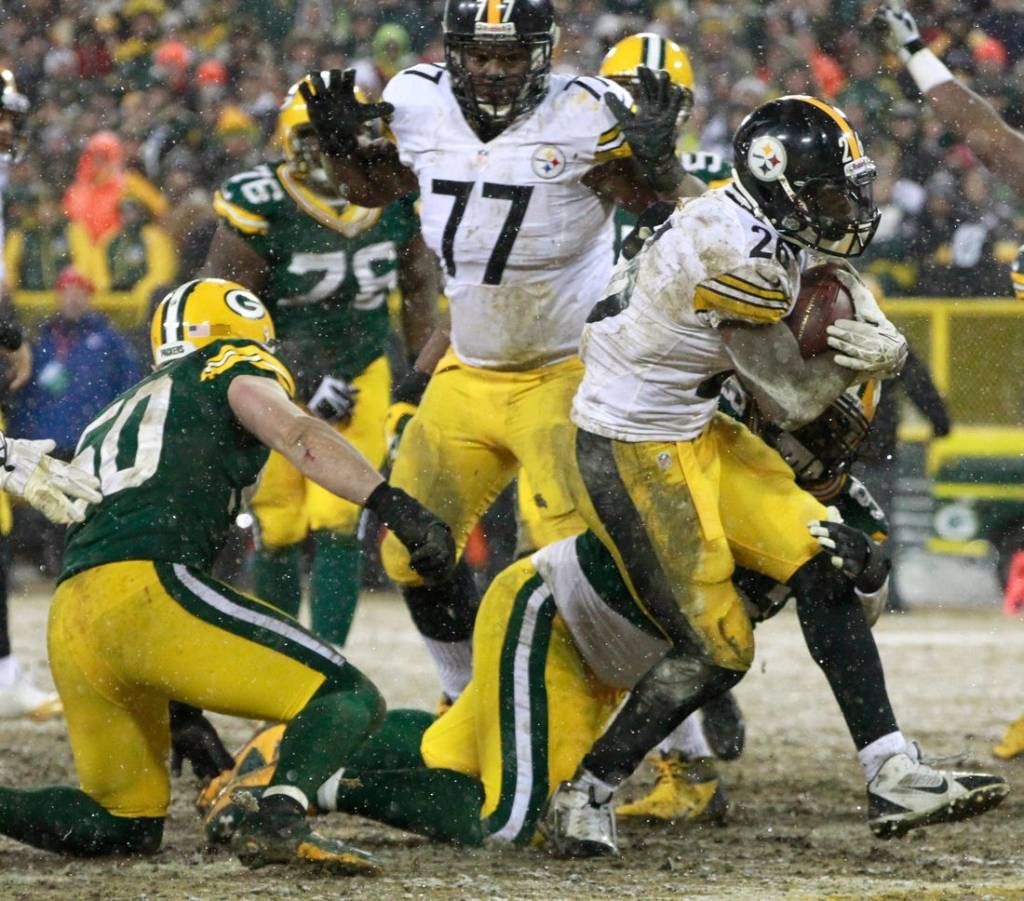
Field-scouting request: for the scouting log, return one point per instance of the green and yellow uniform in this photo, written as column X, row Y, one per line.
column 135, row 622
column 331, row 269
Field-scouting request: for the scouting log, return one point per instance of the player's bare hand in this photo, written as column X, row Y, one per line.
column 651, row 127
column 335, row 112
column 877, row 351
column 21, row 367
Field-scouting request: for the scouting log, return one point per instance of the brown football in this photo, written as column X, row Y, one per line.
column 822, row 300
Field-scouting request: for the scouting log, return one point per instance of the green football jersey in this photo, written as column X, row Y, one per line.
column 331, row 269
column 710, row 168
column 173, row 462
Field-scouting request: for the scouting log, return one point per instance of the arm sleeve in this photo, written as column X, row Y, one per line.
column 606, row 140
column 917, row 381
column 233, row 360
column 755, row 293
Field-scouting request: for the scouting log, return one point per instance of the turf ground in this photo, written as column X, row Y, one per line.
column 797, row 828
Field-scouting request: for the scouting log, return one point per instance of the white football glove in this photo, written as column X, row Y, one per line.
column 876, row 351
column 49, row 485
column 865, row 307
column 901, row 31
column 334, row 400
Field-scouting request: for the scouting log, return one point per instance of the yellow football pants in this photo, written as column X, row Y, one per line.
column 288, row 506
column 126, row 638
column 678, row 516
column 531, row 712
column 471, row 434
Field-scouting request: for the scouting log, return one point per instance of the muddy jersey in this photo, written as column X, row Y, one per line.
column 173, row 462
column 710, row 168
column 611, row 632
column 525, row 246
column 330, row 269
column 652, row 348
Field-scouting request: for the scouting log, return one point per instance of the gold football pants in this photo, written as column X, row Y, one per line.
column 677, row 517
column 471, row 434
column 531, row 711
column 288, row 506
column 126, row 638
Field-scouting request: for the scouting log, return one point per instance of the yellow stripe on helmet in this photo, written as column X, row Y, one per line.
column 856, row 151
column 493, row 12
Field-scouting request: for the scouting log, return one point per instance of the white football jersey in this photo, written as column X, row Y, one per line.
column 616, row 650
column 525, row 246
column 653, row 354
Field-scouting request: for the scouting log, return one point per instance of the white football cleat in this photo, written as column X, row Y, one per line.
column 21, row 698
column 576, row 824
column 906, row 794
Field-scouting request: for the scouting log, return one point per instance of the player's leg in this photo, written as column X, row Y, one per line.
column 279, row 506
column 540, row 431
column 765, row 517
column 453, row 460
column 204, row 644
column 334, row 523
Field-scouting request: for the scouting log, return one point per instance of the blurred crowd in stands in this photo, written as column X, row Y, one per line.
column 140, row 107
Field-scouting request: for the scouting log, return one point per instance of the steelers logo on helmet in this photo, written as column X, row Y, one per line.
column 767, row 159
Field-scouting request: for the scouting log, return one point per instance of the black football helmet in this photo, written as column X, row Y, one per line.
column 13, row 104
column 803, row 164
column 492, row 103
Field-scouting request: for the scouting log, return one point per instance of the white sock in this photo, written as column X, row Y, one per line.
column 688, row 739
column 454, row 662
column 602, row 790
column 327, row 794
column 880, row 750
column 8, row 671
column 296, row 794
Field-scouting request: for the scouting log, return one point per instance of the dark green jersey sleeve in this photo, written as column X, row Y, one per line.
column 249, row 204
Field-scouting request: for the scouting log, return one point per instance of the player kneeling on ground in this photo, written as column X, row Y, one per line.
column 136, row 622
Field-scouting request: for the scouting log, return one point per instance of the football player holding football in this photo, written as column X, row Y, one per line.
column 680, row 495
column 518, row 170
column 998, row 146
column 326, row 268
column 136, row 622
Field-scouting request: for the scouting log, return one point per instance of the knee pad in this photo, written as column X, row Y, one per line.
column 445, row 612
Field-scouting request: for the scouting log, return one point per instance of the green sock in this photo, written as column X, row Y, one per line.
column 66, row 820
column 277, row 574
column 334, row 584
column 327, row 731
column 442, row 805
column 396, row 743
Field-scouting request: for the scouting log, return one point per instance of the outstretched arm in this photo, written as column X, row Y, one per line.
column 998, row 146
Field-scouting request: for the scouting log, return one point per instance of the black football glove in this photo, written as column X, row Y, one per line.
column 651, row 129
column 194, row 739
column 860, row 559
column 430, row 543
column 334, row 400
column 334, row 112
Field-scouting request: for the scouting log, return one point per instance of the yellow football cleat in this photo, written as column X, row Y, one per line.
column 684, row 792
column 256, row 753
column 1012, row 744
